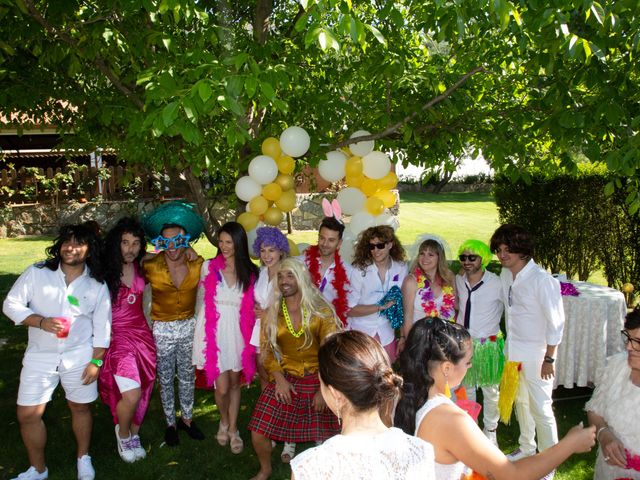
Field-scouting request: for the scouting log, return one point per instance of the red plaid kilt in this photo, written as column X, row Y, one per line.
column 298, row 422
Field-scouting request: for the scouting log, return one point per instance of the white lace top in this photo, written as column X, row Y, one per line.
column 451, row 471
column 614, row 399
column 386, row 456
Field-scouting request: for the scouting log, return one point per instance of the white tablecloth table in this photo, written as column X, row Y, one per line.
column 593, row 321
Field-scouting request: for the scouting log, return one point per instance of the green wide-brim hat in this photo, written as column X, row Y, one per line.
column 177, row 213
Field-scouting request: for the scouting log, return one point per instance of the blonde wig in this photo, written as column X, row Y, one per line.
column 444, row 276
column 312, row 303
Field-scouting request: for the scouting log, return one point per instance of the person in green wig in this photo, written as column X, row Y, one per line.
column 481, row 306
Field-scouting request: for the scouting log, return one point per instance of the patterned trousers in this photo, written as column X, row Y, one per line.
column 174, row 344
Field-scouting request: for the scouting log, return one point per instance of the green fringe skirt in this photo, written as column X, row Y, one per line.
column 488, row 362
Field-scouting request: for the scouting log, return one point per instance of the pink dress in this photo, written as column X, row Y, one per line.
column 132, row 352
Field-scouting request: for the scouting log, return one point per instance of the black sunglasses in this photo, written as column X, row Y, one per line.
column 471, row 258
column 379, row 246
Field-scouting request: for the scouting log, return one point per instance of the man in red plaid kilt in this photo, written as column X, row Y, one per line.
column 291, row 407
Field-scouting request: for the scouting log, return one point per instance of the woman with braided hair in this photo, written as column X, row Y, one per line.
column 435, row 360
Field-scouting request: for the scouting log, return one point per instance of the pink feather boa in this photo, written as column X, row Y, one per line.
column 247, row 321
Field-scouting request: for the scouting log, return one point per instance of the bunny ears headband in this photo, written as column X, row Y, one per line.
column 332, row 209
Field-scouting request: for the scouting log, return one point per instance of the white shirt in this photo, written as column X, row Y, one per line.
column 486, row 304
column 326, row 282
column 535, row 314
column 263, row 294
column 368, row 289
column 390, row 455
column 44, row 292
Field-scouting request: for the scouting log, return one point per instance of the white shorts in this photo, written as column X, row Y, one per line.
column 39, row 379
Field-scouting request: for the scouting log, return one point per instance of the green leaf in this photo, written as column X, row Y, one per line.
column 598, row 12
column 189, row 109
column 250, row 86
column 267, row 90
column 170, row 113
column 204, row 90
column 377, row 34
column 166, row 41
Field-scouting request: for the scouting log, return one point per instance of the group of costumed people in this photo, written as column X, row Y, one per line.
column 321, row 334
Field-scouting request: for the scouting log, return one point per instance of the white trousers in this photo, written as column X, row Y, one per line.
column 534, row 409
column 490, row 414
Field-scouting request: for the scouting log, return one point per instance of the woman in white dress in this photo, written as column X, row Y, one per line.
column 445, row 349
column 612, row 407
column 360, row 388
column 429, row 290
column 225, row 321
column 379, row 265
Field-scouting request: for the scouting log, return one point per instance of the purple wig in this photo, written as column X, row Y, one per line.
column 272, row 237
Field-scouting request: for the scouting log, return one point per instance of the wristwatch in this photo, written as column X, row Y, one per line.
column 549, row 359
column 96, row 362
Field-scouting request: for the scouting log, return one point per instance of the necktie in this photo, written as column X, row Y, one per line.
column 467, row 310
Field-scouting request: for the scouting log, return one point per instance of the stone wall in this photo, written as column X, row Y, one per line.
column 44, row 219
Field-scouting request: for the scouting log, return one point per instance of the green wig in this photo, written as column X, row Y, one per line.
column 477, row 248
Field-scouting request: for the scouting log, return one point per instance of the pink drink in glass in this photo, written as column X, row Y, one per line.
column 64, row 333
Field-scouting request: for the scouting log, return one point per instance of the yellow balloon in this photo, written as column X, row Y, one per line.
column 258, row 205
column 293, row 248
column 272, row 191
column 353, row 166
column 389, row 181
column 248, row 220
column 271, row 147
column 285, row 181
column 287, row 201
column 354, row 180
column 273, row 216
column 374, row 206
column 387, row 196
column 286, row 164
column 369, row 186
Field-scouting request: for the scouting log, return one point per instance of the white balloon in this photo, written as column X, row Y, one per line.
column 302, row 247
column 361, row 148
column 332, row 169
column 263, row 169
column 376, row 165
column 251, row 237
column 361, row 221
column 351, row 200
column 347, row 251
column 387, row 218
column 247, row 188
column 295, row 141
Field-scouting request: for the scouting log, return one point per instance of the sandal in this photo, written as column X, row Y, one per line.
column 288, row 452
column 223, row 434
column 237, row 445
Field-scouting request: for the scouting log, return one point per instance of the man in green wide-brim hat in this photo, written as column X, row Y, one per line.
column 174, row 283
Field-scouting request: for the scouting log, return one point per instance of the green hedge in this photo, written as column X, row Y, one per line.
column 577, row 227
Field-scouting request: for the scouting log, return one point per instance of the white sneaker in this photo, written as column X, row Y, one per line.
column 137, row 447
column 517, row 454
column 125, row 449
column 550, row 475
column 85, row 469
column 33, row 474
column 491, row 435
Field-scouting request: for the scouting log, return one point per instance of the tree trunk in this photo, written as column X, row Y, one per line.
column 211, row 223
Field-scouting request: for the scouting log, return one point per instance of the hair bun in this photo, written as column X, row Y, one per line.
column 387, row 383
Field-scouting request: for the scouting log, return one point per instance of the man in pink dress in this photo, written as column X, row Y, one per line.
column 129, row 370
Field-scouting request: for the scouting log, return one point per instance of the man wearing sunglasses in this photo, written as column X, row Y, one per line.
column 481, row 306
column 535, row 322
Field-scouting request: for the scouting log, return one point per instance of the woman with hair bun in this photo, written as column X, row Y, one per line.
column 435, row 360
column 360, row 388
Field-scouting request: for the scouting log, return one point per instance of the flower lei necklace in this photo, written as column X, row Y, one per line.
column 446, row 311
column 340, row 281
column 287, row 319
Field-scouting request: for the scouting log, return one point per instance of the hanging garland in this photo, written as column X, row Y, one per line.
column 339, row 282
column 447, row 309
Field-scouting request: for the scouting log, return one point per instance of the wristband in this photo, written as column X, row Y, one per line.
column 549, row 359
column 606, row 427
column 41, row 320
column 96, row 362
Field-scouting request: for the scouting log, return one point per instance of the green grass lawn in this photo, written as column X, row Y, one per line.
column 454, row 216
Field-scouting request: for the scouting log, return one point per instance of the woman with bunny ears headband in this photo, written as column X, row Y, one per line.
column 328, row 271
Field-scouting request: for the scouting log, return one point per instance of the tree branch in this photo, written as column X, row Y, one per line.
column 99, row 62
column 395, row 127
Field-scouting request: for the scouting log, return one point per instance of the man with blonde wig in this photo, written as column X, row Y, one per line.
column 481, row 307
column 291, row 407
